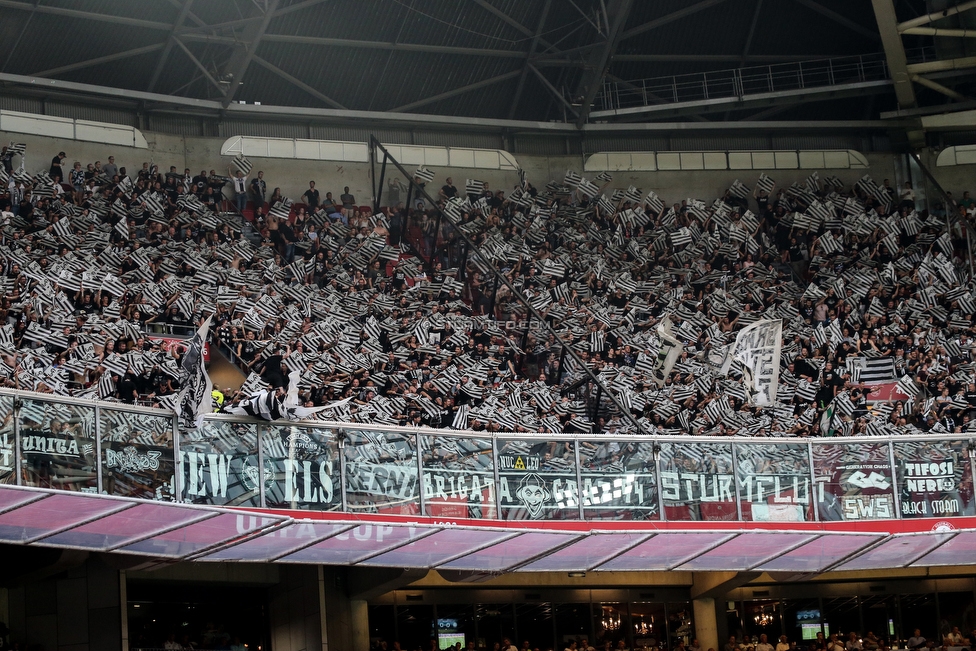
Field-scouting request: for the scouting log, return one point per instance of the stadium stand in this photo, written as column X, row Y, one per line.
column 396, row 312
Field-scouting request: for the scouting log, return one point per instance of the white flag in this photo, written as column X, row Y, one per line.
column 758, row 347
column 195, row 400
column 668, row 354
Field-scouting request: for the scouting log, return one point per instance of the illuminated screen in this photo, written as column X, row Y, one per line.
column 445, row 640
column 809, row 631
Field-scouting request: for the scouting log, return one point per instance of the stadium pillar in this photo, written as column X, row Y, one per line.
column 359, row 623
column 706, row 623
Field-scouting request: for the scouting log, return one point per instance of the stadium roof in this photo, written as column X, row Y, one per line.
column 497, row 59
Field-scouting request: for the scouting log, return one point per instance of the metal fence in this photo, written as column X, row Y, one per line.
column 74, row 445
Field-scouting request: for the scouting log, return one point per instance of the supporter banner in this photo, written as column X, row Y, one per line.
column 137, row 455
column 57, row 443
column 697, row 482
column 619, row 480
column 219, row 465
column 169, row 344
column 853, row 482
column 381, row 472
column 7, row 442
column 934, row 479
column 774, row 482
column 885, row 392
column 758, row 347
column 668, row 354
column 458, row 476
column 304, row 463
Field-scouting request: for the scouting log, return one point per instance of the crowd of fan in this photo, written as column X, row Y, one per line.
column 398, row 313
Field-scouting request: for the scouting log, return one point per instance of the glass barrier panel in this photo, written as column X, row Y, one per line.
column 853, row 481
column 935, row 479
column 57, row 443
column 8, row 455
column 137, row 455
column 774, row 482
column 219, row 465
column 619, row 481
column 697, row 481
column 381, row 472
column 459, row 477
column 537, row 480
column 303, row 463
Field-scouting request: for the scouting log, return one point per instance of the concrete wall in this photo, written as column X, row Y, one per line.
column 293, row 175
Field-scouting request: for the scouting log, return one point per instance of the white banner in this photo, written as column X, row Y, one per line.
column 758, row 347
column 195, row 386
column 667, row 355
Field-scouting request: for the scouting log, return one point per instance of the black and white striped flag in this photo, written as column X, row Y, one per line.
column 474, row 186
column 17, row 148
column 765, row 184
column 739, row 189
column 424, row 175
column 907, row 386
column 588, row 189
column 653, row 203
column 606, row 177
column 572, row 179
column 242, row 164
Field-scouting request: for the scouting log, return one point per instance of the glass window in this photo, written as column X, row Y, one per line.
column 305, row 462
column 535, row 625
column 572, row 624
column 415, row 626
column 537, row 480
column 459, row 477
column 382, row 627
column 853, row 481
column 956, row 615
column 618, row 480
column 137, row 455
column 219, row 465
column 650, row 624
column 842, row 615
column 802, row 620
column 58, row 446
column 774, row 482
column 917, row 611
column 495, row 623
column 697, row 481
column 880, row 616
column 7, row 443
column 455, row 623
column 934, row 479
column 611, row 624
column 381, row 472
column 680, row 625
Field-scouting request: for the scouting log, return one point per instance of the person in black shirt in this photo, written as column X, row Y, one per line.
column 311, row 196
column 449, row 191
column 55, row 170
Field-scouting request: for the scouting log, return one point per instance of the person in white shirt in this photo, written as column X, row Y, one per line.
column 764, row 644
column 240, row 191
column 853, row 642
column 783, row 644
column 954, row 638
column 916, row 640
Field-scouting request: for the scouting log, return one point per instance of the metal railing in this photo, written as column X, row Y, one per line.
column 71, row 444
column 741, row 82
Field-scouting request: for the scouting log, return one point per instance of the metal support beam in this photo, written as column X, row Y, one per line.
column 840, row 20
column 938, row 31
column 396, row 47
column 752, row 31
column 458, row 91
column 714, row 58
column 200, row 66
column 242, row 56
column 552, row 89
column 598, row 62
column 937, row 87
column 525, row 68
column 670, row 18
column 938, row 15
column 508, row 20
column 963, row 63
column 297, row 82
column 170, row 42
column 105, row 59
column 84, row 15
column 884, row 13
